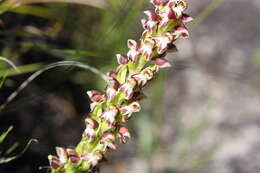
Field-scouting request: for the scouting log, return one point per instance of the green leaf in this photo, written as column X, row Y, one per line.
column 4, row 135
column 3, row 79
column 12, row 148
column 8, row 159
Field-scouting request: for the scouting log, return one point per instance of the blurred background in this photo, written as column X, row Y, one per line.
column 200, row 116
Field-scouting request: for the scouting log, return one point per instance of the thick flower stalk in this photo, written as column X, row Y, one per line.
column 113, row 108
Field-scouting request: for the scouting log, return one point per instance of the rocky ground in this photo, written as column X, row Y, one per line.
column 215, row 79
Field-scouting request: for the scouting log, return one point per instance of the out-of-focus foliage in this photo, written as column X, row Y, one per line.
column 5, row 155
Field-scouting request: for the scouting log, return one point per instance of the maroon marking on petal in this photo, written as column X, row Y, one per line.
column 132, row 44
column 73, row 156
column 121, row 59
column 151, row 15
column 171, row 14
column 111, row 74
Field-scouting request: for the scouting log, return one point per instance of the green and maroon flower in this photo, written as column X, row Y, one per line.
column 111, row 109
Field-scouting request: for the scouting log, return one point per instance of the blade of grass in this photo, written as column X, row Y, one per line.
column 12, row 148
column 50, row 66
column 8, row 159
column 9, row 62
column 3, row 79
column 38, row 11
column 205, row 13
column 4, row 135
column 93, row 3
column 22, row 69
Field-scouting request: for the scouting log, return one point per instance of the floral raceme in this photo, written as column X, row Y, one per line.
column 113, row 108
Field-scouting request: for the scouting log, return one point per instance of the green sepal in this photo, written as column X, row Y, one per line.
column 97, row 111
column 85, row 166
column 131, row 68
column 122, row 74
